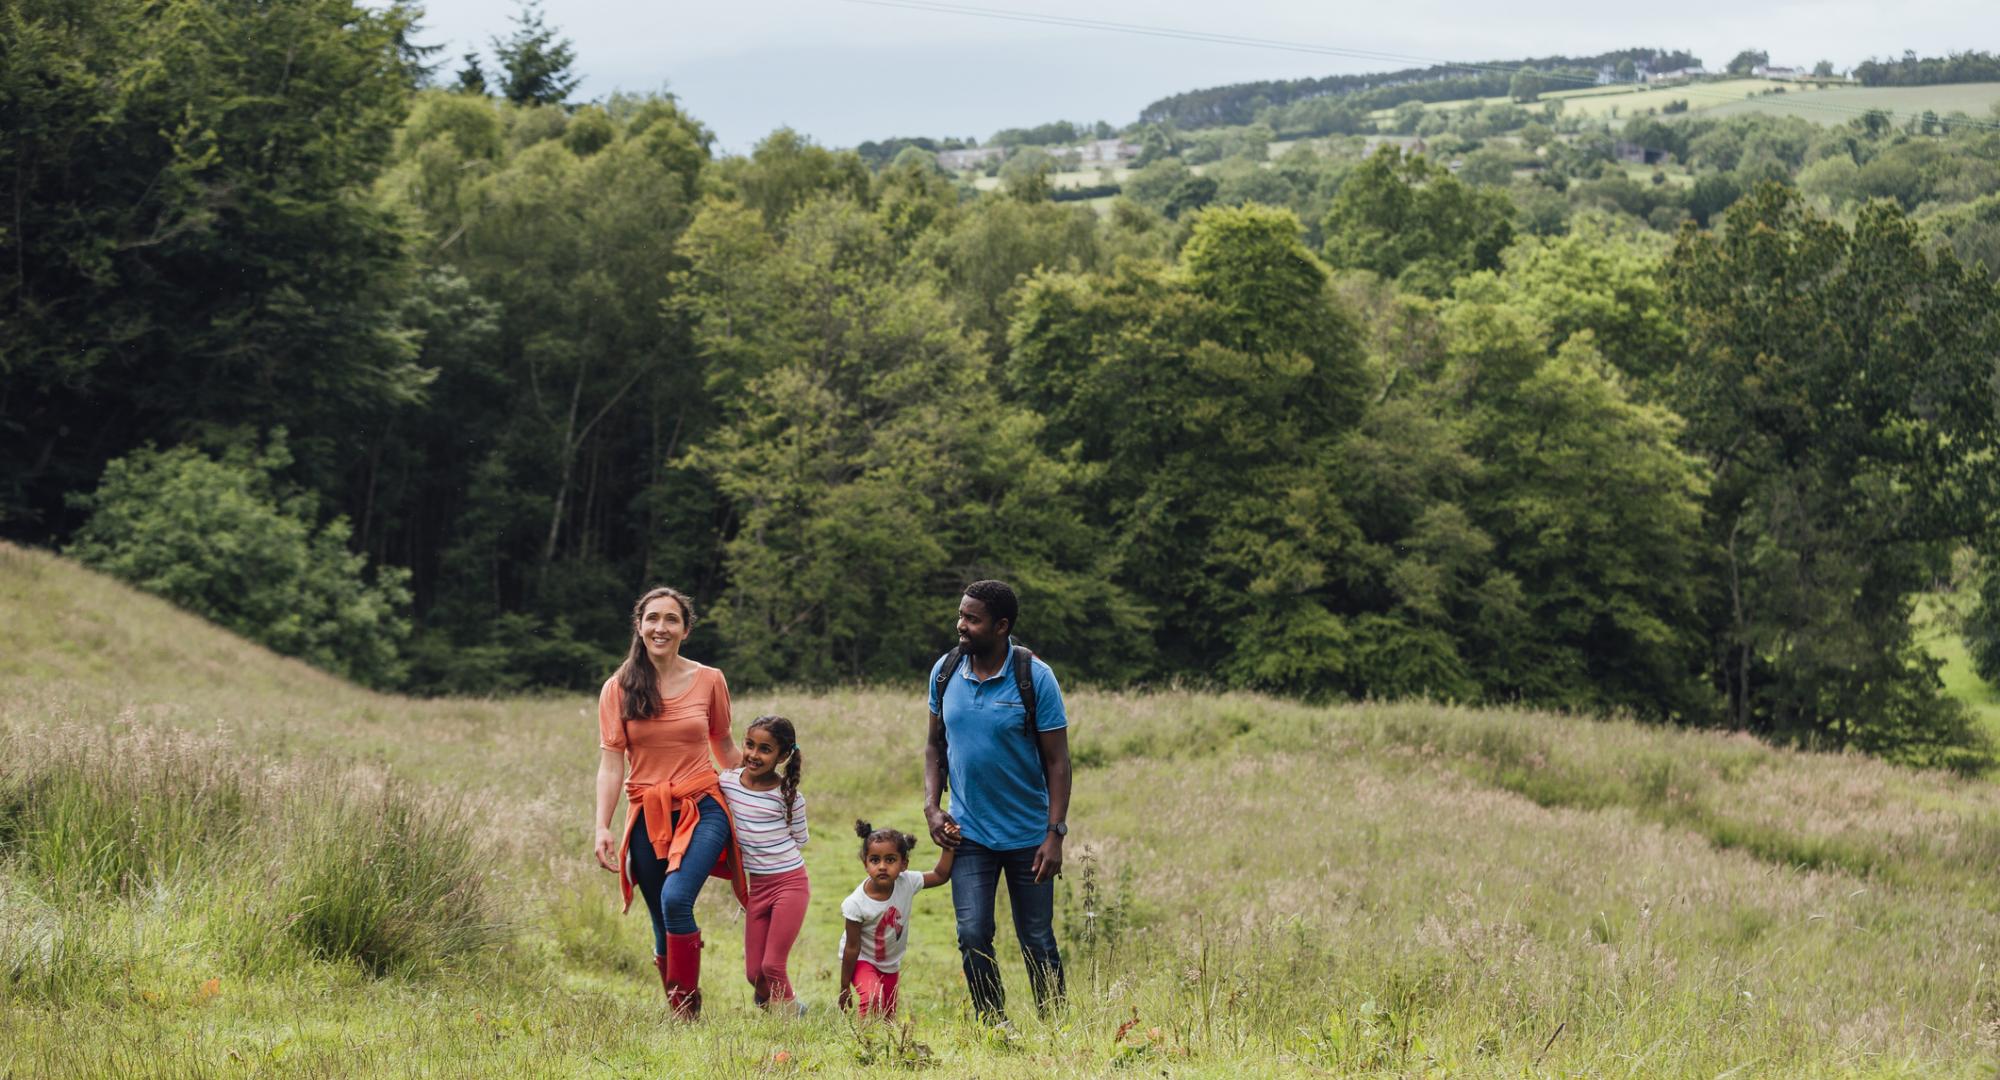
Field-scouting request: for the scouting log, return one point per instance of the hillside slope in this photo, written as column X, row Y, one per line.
column 1270, row 889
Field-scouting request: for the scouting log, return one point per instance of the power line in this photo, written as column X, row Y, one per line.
column 944, row 7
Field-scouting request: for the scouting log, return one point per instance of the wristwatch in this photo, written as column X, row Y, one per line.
column 1059, row 828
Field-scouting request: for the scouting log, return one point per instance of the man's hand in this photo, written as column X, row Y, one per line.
column 944, row 828
column 1048, row 858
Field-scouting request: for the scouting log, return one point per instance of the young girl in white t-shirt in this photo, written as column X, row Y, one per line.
column 878, row 917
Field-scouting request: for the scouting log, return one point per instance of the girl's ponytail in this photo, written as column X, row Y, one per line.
column 790, row 784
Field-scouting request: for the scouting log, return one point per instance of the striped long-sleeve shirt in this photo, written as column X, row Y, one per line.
column 769, row 842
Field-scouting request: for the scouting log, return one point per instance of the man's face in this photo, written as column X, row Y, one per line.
column 979, row 634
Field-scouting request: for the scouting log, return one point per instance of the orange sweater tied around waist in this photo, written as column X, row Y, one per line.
column 660, row 802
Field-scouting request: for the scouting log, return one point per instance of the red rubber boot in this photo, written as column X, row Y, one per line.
column 680, row 973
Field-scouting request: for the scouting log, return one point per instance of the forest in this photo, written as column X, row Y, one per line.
column 423, row 376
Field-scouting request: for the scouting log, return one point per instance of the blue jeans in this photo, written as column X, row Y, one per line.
column 975, row 877
column 670, row 897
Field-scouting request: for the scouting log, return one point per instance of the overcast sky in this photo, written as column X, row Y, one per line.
column 845, row 72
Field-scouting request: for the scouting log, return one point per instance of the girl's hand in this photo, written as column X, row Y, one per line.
column 606, row 849
column 846, row 998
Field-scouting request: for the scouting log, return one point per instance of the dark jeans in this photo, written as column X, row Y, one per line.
column 670, row 897
column 975, row 878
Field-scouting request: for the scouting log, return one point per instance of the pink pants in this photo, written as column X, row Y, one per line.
column 770, row 928
column 875, row 990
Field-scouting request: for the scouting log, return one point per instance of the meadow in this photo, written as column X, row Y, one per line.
column 1838, row 105
column 219, row 862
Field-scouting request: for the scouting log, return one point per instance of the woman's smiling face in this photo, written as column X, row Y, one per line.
column 663, row 626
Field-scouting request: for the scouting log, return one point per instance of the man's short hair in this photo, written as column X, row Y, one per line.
column 998, row 596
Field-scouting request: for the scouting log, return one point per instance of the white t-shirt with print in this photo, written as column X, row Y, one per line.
column 885, row 924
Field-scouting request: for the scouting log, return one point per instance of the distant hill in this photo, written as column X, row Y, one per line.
column 1240, row 103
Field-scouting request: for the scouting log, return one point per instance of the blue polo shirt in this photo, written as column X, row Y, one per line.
column 999, row 795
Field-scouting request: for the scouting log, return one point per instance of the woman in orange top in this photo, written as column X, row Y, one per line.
column 667, row 717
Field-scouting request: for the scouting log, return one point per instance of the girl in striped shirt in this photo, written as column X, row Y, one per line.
column 770, row 818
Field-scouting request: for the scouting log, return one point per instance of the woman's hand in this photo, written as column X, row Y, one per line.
column 846, row 998
column 606, row 849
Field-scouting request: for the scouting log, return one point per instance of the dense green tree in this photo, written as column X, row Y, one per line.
column 786, row 169
column 547, row 483
column 189, row 243
column 471, row 75
column 1409, row 219
column 1748, row 60
column 873, row 469
column 1840, row 388
column 534, row 61
column 1982, row 628
column 1208, row 399
column 1525, row 86
column 1594, row 516
column 1595, row 279
column 997, row 243
column 230, row 541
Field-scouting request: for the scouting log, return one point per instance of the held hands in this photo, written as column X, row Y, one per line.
column 944, row 829
column 606, row 850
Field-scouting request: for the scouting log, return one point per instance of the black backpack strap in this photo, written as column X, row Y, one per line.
column 1024, row 679
column 944, row 674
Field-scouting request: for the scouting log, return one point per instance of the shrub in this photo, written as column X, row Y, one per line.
column 224, row 540
column 378, row 874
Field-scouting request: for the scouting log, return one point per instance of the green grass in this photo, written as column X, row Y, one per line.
column 1841, row 104
column 1600, row 102
column 1266, row 888
column 1938, row 618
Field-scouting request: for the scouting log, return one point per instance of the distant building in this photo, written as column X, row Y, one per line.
column 1107, row 152
column 974, row 158
column 1766, row 71
column 1635, row 154
column 1676, row 75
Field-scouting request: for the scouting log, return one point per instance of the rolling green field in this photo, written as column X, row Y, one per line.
column 1601, row 101
column 1728, row 97
column 1075, row 178
column 1838, row 105
column 218, row 862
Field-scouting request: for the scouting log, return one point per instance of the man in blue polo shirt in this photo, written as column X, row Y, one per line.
column 1009, row 795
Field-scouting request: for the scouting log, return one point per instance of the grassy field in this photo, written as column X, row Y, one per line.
column 1601, row 101
column 1075, row 178
column 1938, row 617
column 218, row 862
column 1728, row 97
column 1838, row 105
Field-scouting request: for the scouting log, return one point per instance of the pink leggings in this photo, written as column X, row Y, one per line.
column 777, row 910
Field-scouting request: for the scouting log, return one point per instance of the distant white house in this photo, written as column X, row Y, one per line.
column 973, row 158
column 1106, row 152
column 1676, row 75
column 1766, row 71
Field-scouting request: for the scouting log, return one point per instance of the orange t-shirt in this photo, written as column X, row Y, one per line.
column 670, row 769
column 679, row 745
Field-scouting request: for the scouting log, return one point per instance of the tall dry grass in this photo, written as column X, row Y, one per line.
column 269, row 861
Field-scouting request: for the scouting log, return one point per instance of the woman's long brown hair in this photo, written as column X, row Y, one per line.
column 637, row 679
